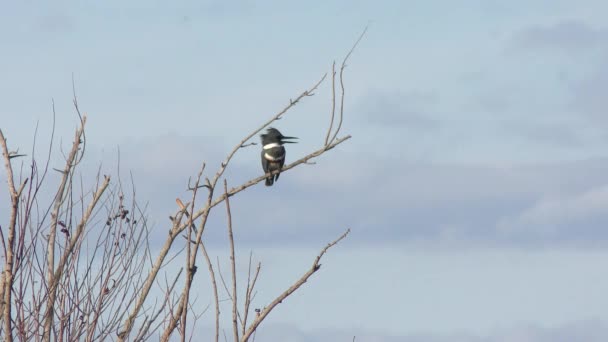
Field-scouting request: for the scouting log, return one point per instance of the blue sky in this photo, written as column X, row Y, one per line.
column 475, row 182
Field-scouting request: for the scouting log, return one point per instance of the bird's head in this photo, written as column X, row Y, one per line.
column 273, row 135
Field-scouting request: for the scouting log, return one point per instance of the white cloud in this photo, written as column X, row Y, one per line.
column 557, row 214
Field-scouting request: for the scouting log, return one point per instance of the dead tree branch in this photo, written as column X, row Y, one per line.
column 235, row 327
column 249, row 292
column 342, row 67
column 8, row 274
column 314, row 268
column 59, row 200
column 215, row 293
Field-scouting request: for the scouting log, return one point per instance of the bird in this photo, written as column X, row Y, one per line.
column 273, row 153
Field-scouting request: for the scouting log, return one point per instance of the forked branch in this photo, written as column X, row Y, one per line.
column 342, row 92
column 314, row 268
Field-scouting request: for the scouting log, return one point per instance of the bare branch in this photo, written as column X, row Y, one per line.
column 256, row 180
column 143, row 333
column 215, row 293
column 333, row 101
column 278, row 116
column 8, row 274
column 315, row 267
column 342, row 67
column 235, row 326
column 249, row 292
column 59, row 199
column 76, row 237
column 182, row 307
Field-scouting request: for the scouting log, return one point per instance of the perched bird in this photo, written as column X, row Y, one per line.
column 273, row 153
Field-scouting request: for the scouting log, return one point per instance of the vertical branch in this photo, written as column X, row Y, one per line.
column 189, row 275
column 341, row 101
column 184, row 297
column 50, row 249
column 190, row 256
column 215, row 294
column 235, row 327
column 8, row 276
column 342, row 67
column 22, row 267
column 228, row 292
column 333, row 101
column 249, row 293
column 246, row 305
column 3, row 278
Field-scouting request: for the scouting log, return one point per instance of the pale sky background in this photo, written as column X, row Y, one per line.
column 475, row 184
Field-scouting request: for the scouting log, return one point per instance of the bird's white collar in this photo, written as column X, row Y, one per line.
column 271, row 145
column 271, row 158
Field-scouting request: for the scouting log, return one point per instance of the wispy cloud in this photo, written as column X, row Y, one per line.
column 589, row 95
column 572, row 217
column 549, row 133
column 55, row 23
column 411, row 110
column 569, row 37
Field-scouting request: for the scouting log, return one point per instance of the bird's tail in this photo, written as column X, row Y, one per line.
column 269, row 180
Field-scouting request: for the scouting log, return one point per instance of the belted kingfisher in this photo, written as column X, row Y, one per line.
column 273, row 152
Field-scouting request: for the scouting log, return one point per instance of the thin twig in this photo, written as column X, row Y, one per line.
column 59, row 200
column 342, row 67
column 314, row 268
column 246, row 308
column 182, row 307
column 235, row 327
column 333, row 101
column 215, row 294
column 249, row 293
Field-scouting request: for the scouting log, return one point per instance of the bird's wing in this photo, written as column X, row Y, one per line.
column 281, row 163
column 264, row 163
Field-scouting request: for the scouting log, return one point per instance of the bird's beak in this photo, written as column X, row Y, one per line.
column 289, row 142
